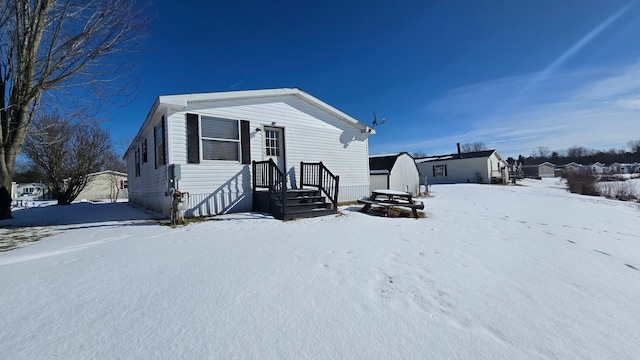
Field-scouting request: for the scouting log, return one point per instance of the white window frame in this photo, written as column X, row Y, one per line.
column 203, row 138
column 439, row 171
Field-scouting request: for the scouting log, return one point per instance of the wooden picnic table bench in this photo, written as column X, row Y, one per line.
column 390, row 199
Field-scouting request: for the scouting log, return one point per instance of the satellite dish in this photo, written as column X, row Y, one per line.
column 375, row 121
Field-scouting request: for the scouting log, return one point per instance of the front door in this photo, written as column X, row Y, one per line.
column 274, row 145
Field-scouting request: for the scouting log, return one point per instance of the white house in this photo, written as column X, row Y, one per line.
column 543, row 170
column 596, row 168
column 394, row 171
column 472, row 167
column 31, row 191
column 561, row 170
column 108, row 184
column 223, row 148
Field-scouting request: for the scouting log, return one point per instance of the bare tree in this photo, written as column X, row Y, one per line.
column 49, row 47
column 115, row 166
column 634, row 146
column 577, row 152
column 473, row 147
column 419, row 154
column 542, row 152
column 67, row 152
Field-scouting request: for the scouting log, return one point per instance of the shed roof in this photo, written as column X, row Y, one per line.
column 384, row 162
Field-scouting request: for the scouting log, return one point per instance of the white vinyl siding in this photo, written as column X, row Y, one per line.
column 466, row 170
column 404, row 176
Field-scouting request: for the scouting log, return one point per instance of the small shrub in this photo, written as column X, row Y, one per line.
column 619, row 190
column 581, row 183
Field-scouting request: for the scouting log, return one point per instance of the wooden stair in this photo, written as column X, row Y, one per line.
column 301, row 203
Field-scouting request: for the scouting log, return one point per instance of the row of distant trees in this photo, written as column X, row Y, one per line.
column 583, row 155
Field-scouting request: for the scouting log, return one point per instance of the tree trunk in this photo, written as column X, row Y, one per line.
column 5, row 203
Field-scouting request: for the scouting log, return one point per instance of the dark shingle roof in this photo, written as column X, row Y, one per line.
column 468, row 155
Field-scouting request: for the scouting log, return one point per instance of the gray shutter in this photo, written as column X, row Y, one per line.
column 245, row 142
column 433, row 167
column 193, row 139
column 164, row 142
column 445, row 170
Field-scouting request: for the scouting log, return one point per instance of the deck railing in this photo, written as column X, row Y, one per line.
column 266, row 174
column 317, row 175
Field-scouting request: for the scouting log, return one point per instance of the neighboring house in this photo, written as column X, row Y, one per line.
column 622, row 168
column 597, row 168
column 224, row 148
column 472, row 167
column 544, row 170
column 394, row 171
column 560, row 170
column 515, row 169
column 31, row 191
column 105, row 185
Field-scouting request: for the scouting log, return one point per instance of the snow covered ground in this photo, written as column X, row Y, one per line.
column 491, row 272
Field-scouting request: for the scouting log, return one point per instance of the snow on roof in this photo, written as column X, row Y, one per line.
column 467, row 155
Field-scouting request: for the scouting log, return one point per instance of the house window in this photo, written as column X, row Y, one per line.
column 220, row 139
column 439, row 170
column 272, row 142
column 137, row 159
column 145, row 157
column 159, row 144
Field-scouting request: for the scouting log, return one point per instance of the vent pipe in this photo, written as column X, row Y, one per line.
column 459, row 153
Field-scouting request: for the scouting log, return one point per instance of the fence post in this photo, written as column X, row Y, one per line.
column 301, row 174
column 335, row 202
column 253, row 180
column 320, row 175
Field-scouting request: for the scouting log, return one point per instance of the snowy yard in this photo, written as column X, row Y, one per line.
column 491, row 272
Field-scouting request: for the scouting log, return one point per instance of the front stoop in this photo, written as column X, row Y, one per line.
column 301, row 203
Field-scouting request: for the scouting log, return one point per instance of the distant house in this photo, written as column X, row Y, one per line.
column 515, row 169
column 394, row 171
column 622, row 168
column 561, row 170
column 472, row 167
column 31, row 191
column 109, row 184
column 256, row 150
column 597, row 168
column 543, row 170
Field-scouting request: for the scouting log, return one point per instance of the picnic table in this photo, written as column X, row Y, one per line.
column 390, row 199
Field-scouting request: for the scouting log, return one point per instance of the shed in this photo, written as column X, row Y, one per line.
column 396, row 171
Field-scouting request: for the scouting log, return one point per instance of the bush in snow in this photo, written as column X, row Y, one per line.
column 619, row 190
column 581, row 183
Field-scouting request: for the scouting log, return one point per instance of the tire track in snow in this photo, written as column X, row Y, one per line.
column 21, row 258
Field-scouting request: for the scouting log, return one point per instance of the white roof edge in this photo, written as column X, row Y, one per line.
column 183, row 100
column 108, row 171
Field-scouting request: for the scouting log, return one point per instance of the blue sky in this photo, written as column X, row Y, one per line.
column 511, row 74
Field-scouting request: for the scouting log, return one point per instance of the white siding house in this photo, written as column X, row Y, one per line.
column 543, row 170
column 472, row 167
column 212, row 138
column 108, row 184
column 394, row 171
